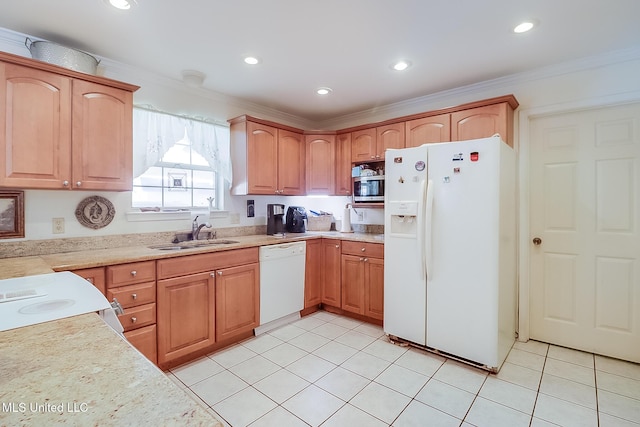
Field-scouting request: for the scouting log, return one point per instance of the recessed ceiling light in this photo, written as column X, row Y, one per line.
column 523, row 27
column 401, row 65
column 251, row 60
column 121, row 4
column 323, row 90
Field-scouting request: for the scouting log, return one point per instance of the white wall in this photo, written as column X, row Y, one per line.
column 590, row 79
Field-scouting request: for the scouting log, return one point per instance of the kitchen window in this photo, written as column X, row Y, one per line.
column 179, row 163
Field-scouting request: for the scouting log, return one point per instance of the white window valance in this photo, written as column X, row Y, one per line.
column 154, row 133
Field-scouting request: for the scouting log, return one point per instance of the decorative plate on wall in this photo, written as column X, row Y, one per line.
column 95, row 212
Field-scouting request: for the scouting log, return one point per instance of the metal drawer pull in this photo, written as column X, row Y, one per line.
column 133, row 273
column 134, row 319
column 363, row 249
column 134, row 296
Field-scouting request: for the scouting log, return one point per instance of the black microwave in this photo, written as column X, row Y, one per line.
column 368, row 189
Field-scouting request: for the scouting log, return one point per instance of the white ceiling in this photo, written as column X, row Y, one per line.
column 347, row 45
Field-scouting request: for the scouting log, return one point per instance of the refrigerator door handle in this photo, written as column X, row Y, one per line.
column 428, row 238
column 421, row 228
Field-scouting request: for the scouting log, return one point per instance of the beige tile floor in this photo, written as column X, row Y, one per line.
column 334, row 371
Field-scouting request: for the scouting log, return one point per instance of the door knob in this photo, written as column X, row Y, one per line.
column 537, row 241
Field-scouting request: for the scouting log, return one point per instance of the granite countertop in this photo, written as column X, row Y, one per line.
column 30, row 265
column 78, row 372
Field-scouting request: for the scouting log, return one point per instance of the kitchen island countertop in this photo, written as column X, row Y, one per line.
column 78, row 372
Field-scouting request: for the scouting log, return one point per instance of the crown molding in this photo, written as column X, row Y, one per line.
column 16, row 44
column 441, row 99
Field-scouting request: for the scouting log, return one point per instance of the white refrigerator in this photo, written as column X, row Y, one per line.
column 450, row 248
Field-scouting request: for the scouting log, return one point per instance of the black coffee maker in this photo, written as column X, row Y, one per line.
column 295, row 219
column 275, row 216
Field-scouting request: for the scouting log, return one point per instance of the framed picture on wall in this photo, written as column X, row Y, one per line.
column 11, row 214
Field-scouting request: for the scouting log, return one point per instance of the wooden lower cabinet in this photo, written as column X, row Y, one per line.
column 186, row 318
column 362, row 270
column 331, row 276
column 313, row 276
column 237, row 300
column 144, row 339
column 205, row 302
column 95, row 276
column 374, row 288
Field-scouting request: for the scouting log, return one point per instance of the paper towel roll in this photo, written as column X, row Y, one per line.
column 346, row 221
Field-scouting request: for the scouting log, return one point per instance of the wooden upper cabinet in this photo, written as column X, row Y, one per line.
column 290, row 163
column 363, row 145
column 428, row 130
column 35, row 128
column 102, row 137
column 62, row 129
column 390, row 136
column 343, row 165
column 482, row 122
column 321, row 164
column 262, row 158
column 266, row 159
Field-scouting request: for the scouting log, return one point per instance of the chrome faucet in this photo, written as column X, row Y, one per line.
column 195, row 228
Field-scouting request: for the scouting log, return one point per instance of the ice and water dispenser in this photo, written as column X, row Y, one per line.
column 403, row 218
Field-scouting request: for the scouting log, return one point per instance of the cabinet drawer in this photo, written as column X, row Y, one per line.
column 133, row 295
column 127, row 274
column 137, row 317
column 375, row 250
column 192, row 264
column 145, row 340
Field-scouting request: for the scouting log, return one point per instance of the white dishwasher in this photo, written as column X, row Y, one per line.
column 281, row 284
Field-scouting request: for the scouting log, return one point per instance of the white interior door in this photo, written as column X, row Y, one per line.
column 585, row 209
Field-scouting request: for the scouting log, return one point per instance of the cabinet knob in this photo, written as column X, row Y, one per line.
column 212, row 274
column 79, row 184
column 363, row 249
column 337, row 246
column 366, row 259
column 361, row 259
column 65, row 183
column 134, row 273
column 134, row 296
column 134, row 319
column 89, row 279
column 219, row 273
column 373, row 157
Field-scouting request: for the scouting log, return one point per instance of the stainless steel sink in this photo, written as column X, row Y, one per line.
column 192, row 245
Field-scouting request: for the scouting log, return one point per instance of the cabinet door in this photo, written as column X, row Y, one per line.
column 290, row 163
column 262, row 158
column 390, row 136
column 331, row 285
column 343, row 165
column 95, row 276
column 321, row 165
column 35, row 124
column 428, row 130
column 353, row 283
column 186, row 318
column 237, row 300
column 482, row 122
column 102, row 137
column 145, row 340
column 363, row 145
column 313, row 276
column 374, row 288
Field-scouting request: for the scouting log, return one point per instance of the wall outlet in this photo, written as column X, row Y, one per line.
column 361, row 216
column 58, row 225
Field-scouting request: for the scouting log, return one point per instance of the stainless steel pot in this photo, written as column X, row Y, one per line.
column 63, row 56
